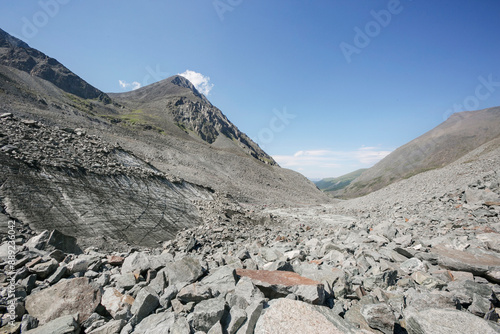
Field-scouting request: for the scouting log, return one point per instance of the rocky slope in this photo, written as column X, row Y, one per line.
column 419, row 256
column 460, row 134
column 65, row 179
column 168, row 124
column 175, row 101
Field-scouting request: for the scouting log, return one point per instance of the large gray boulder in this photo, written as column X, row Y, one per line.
column 221, row 280
column 379, row 316
column 186, row 270
column 145, row 303
column 207, row 313
column 137, row 261
column 277, row 284
column 485, row 264
column 253, row 312
column 160, row 323
column 112, row 327
column 194, row 293
column 445, row 321
column 291, row 316
column 62, row 325
column 69, row 296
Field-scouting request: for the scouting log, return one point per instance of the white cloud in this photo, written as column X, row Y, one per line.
column 200, row 82
column 125, row 85
column 328, row 163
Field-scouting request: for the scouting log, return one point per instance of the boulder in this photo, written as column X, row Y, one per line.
column 445, row 321
column 221, row 280
column 245, row 293
column 216, row 329
column 253, row 312
column 69, row 296
column 78, row 265
column 491, row 240
column 379, row 316
column 412, row 265
column 137, row 261
column 235, row 320
column 112, row 327
column 185, row 270
column 115, row 302
column 421, row 300
column 207, row 313
column 115, row 260
column 38, row 241
column 159, row 283
column 180, row 326
column 276, row 284
column 160, row 323
column 126, row 281
column 65, row 243
column 45, row 269
column 478, row 197
column 483, row 264
column 292, row 316
column 28, row 322
column 62, row 325
column 57, row 275
column 194, row 293
column 480, row 306
column 145, row 303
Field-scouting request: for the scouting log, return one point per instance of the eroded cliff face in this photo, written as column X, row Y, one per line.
column 91, row 191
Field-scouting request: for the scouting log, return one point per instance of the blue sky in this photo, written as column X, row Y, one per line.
column 325, row 86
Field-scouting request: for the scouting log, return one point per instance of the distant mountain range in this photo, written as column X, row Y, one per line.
column 334, row 185
column 458, row 135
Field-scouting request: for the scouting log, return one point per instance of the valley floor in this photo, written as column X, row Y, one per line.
column 420, row 256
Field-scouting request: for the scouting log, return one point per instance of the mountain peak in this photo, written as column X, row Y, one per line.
column 9, row 41
column 183, row 82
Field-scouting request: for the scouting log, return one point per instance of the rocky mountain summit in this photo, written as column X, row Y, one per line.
column 176, row 99
column 420, row 256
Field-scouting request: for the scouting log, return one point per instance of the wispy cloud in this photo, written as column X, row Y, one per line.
column 328, row 163
column 125, row 85
column 201, row 82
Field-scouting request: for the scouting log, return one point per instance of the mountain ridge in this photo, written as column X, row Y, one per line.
column 459, row 134
column 18, row 54
column 158, row 132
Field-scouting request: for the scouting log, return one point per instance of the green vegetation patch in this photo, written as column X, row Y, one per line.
column 81, row 104
column 337, row 183
column 137, row 119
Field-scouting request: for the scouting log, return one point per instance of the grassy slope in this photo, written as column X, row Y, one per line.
column 337, row 183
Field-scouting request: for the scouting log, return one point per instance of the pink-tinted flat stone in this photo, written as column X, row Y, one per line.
column 276, row 277
column 115, row 260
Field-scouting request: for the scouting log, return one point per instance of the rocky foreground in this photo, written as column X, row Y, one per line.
column 421, row 256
